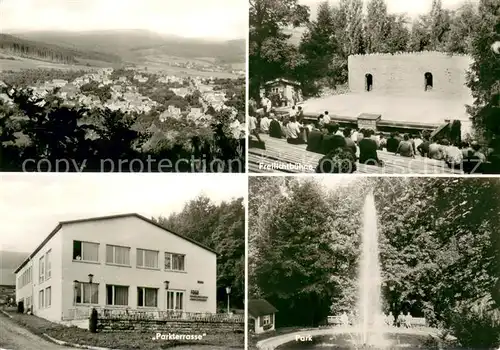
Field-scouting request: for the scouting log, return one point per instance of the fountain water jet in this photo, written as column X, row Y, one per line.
column 370, row 321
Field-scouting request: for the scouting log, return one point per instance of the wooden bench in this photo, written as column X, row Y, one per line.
column 280, row 152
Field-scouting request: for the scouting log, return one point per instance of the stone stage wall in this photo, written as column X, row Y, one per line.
column 403, row 73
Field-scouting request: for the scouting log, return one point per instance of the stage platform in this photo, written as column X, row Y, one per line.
column 427, row 107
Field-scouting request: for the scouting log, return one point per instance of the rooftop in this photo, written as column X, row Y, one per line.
column 260, row 307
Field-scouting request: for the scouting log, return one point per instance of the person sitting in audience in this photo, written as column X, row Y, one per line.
column 476, row 147
column 275, row 128
column 375, row 137
column 340, row 132
column 300, row 114
column 264, row 124
column 417, row 141
column 392, row 143
column 252, row 128
column 349, row 142
column 435, row 151
column 360, row 136
column 368, row 150
column 354, row 135
column 293, row 132
column 383, row 141
column 405, row 148
column 467, row 151
column 473, row 158
column 331, row 140
column 453, row 156
column 338, row 161
column 423, row 148
column 315, row 139
column 320, row 120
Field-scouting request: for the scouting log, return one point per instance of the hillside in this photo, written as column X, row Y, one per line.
column 9, row 261
column 51, row 52
column 132, row 45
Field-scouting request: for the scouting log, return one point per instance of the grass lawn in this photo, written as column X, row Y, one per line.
column 124, row 340
column 254, row 338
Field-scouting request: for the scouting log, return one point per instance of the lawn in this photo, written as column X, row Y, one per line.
column 254, row 338
column 124, row 340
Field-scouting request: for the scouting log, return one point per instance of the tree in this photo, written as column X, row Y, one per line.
column 439, row 245
column 267, row 40
column 354, row 28
column 463, row 25
column 318, row 48
column 293, row 269
column 376, row 26
column 484, row 76
column 439, row 25
column 397, row 33
column 420, row 37
column 222, row 228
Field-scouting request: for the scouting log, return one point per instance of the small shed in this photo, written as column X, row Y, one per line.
column 288, row 92
column 263, row 315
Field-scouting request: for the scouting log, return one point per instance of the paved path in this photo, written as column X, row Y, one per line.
column 14, row 337
column 274, row 342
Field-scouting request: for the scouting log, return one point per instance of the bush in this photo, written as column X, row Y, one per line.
column 474, row 327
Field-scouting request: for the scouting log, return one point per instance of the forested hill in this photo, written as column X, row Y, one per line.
column 133, row 44
column 50, row 52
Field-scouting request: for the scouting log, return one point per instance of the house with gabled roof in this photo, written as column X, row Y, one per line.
column 119, row 262
column 262, row 314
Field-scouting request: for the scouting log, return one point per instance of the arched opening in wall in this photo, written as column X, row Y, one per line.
column 429, row 81
column 368, row 82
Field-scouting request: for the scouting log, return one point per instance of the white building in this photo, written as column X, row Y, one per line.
column 117, row 262
column 262, row 314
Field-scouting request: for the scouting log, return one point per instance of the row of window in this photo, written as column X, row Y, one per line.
column 44, row 267
column 118, row 255
column 88, row 293
column 25, row 278
column 45, row 298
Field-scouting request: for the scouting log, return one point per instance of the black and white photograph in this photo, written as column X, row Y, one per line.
column 374, row 86
column 123, row 85
column 121, row 262
column 356, row 262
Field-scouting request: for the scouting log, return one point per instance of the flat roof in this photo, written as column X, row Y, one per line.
column 109, row 217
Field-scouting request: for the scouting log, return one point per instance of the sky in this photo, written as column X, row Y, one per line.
column 412, row 7
column 211, row 19
column 31, row 205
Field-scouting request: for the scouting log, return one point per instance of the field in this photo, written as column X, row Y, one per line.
column 21, row 63
column 153, row 64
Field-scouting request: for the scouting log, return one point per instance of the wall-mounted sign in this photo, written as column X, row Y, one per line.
column 198, row 297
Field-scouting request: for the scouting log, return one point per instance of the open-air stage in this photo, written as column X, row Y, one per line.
column 430, row 107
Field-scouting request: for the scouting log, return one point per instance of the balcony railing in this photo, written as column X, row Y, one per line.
column 169, row 315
